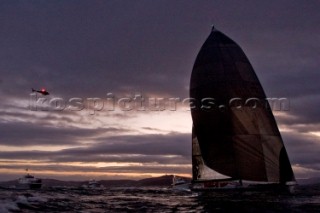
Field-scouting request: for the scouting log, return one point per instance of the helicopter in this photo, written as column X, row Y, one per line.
column 42, row 91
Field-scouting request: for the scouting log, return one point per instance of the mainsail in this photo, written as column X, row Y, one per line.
column 234, row 131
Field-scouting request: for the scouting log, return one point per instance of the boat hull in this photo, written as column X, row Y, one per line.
column 29, row 186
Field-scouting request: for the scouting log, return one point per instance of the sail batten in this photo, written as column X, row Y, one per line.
column 241, row 141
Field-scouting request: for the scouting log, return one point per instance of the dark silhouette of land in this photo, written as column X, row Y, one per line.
column 163, row 181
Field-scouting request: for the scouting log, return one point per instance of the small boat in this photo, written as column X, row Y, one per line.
column 178, row 183
column 29, row 182
column 93, row 184
column 236, row 142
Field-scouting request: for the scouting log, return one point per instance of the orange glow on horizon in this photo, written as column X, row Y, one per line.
column 88, row 175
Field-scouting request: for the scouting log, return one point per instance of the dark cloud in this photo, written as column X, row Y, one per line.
column 71, row 46
column 26, row 134
column 303, row 148
column 171, row 144
column 302, row 115
column 306, row 109
column 148, row 145
column 162, row 149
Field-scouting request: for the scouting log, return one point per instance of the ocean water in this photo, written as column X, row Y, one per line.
column 153, row 199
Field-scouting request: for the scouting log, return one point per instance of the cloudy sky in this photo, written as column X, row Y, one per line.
column 118, row 71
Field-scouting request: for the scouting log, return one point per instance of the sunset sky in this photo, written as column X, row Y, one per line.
column 90, row 54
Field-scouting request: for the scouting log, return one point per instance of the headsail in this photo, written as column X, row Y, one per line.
column 239, row 142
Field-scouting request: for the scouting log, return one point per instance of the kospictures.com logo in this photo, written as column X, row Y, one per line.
column 138, row 102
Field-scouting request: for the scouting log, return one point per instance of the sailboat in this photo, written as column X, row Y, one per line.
column 235, row 139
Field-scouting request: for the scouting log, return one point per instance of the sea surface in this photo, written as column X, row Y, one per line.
column 156, row 199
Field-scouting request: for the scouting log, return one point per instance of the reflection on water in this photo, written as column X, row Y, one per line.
column 305, row 199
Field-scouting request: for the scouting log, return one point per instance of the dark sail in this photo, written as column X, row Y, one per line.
column 233, row 124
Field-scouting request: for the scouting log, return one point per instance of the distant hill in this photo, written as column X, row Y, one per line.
column 117, row 183
column 156, row 181
column 54, row 182
column 309, row 181
column 163, row 181
column 8, row 183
